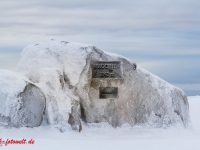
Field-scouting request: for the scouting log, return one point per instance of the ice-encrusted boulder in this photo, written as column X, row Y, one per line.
column 22, row 103
column 62, row 71
column 143, row 98
column 58, row 95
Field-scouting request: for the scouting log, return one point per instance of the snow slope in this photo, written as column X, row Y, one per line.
column 105, row 137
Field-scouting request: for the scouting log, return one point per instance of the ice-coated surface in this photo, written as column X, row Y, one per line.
column 62, row 72
column 11, row 84
column 54, row 79
column 22, row 103
column 68, row 58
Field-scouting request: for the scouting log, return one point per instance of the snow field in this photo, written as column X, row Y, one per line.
column 104, row 137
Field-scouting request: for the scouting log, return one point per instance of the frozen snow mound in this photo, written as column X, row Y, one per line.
column 63, row 73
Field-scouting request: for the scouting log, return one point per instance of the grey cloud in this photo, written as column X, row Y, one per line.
column 176, row 70
column 156, row 34
column 9, row 61
column 144, row 16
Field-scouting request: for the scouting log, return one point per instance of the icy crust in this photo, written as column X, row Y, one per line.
column 166, row 104
column 143, row 97
column 11, row 84
column 57, row 92
column 22, row 103
column 62, row 73
column 69, row 58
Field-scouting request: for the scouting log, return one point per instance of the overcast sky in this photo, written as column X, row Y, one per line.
column 163, row 37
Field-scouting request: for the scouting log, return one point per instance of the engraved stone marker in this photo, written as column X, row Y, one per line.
column 106, row 69
column 108, row 92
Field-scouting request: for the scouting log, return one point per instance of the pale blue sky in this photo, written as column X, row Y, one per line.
column 160, row 36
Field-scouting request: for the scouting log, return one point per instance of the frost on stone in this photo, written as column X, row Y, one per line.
column 54, row 79
column 22, row 103
column 74, row 116
column 32, row 102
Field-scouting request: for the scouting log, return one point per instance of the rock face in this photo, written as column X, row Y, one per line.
column 142, row 98
column 31, row 108
column 81, row 82
column 75, row 116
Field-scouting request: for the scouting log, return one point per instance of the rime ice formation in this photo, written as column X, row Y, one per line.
column 54, row 82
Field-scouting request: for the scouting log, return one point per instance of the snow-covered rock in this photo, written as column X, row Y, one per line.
column 59, row 97
column 22, row 103
column 75, row 116
column 62, row 71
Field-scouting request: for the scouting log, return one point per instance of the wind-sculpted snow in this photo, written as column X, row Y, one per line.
column 62, row 72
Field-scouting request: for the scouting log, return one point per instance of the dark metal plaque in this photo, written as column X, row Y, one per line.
column 106, row 69
column 108, row 92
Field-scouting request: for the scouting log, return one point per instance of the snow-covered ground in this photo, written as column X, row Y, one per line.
column 104, row 137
